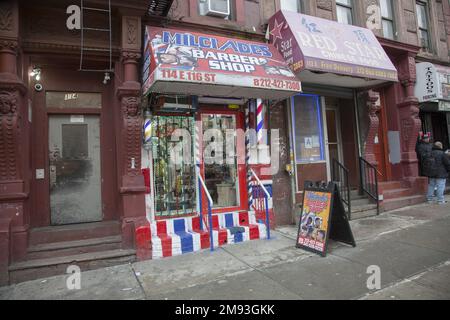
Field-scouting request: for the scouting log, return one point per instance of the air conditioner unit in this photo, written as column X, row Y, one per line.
column 217, row 8
column 171, row 103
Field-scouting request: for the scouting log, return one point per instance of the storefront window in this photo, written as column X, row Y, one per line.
column 174, row 167
column 220, row 159
column 307, row 128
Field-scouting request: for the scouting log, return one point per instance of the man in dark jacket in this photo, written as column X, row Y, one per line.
column 423, row 147
column 440, row 175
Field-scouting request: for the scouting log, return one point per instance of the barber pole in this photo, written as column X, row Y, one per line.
column 247, row 155
column 259, row 121
column 197, row 153
column 147, row 130
column 146, row 169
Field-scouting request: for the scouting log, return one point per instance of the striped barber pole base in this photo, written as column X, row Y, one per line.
column 178, row 236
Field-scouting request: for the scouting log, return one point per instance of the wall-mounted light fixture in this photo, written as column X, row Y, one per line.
column 107, row 78
column 36, row 73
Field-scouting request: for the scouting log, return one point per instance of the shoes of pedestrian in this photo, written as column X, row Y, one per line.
column 443, row 202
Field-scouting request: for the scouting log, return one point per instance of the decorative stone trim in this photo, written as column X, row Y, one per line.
column 374, row 106
column 9, row 134
column 132, row 132
column 6, row 17
column 9, row 44
column 131, row 55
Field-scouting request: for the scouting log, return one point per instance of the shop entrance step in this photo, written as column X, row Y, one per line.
column 73, row 232
column 38, row 268
column 52, row 249
column 67, row 248
column 179, row 236
column 398, row 203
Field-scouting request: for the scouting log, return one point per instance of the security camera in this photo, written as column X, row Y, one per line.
column 38, row 87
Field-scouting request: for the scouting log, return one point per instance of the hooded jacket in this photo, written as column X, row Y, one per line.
column 423, row 148
column 442, row 163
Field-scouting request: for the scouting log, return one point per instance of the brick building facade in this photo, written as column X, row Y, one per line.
column 42, row 88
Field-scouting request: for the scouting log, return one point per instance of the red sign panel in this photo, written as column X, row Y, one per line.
column 182, row 56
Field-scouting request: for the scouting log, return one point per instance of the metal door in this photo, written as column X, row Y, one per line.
column 74, row 156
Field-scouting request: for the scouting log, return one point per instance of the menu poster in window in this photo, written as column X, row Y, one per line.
column 314, row 220
column 308, row 143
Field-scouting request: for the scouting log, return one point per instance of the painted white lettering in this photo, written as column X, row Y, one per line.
column 245, row 59
column 74, row 20
column 254, row 60
column 199, row 54
column 374, row 20
column 211, row 55
column 234, row 58
column 305, row 39
column 222, row 56
column 318, row 41
column 214, row 65
column 350, row 47
column 380, row 53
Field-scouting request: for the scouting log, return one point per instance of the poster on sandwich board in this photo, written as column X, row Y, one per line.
column 322, row 217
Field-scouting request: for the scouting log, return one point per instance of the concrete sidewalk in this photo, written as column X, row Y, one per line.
column 411, row 246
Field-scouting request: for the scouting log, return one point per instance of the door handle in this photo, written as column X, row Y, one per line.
column 52, row 176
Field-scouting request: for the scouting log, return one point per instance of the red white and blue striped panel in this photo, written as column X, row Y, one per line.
column 178, row 236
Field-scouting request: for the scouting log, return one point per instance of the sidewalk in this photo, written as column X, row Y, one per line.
column 411, row 246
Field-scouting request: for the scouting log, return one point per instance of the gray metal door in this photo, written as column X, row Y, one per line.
column 74, row 153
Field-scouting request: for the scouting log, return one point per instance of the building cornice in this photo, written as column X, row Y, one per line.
column 41, row 46
column 398, row 46
column 225, row 31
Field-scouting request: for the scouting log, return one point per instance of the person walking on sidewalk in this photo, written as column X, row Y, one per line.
column 436, row 166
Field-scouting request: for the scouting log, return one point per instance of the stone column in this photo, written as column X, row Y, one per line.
column 409, row 117
column 373, row 105
column 132, row 186
column 13, row 144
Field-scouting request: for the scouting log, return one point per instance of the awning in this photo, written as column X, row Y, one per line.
column 191, row 63
column 349, row 56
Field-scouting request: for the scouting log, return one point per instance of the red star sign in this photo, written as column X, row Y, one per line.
column 276, row 31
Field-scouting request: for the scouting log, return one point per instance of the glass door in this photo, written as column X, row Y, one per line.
column 220, row 165
column 74, row 154
column 334, row 139
column 333, row 135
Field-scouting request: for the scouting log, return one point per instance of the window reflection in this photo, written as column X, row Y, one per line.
column 307, row 125
column 220, row 160
column 174, row 169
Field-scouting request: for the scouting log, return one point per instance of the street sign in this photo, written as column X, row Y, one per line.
column 323, row 217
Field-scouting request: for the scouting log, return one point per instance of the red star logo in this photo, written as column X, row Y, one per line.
column 276, row 31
